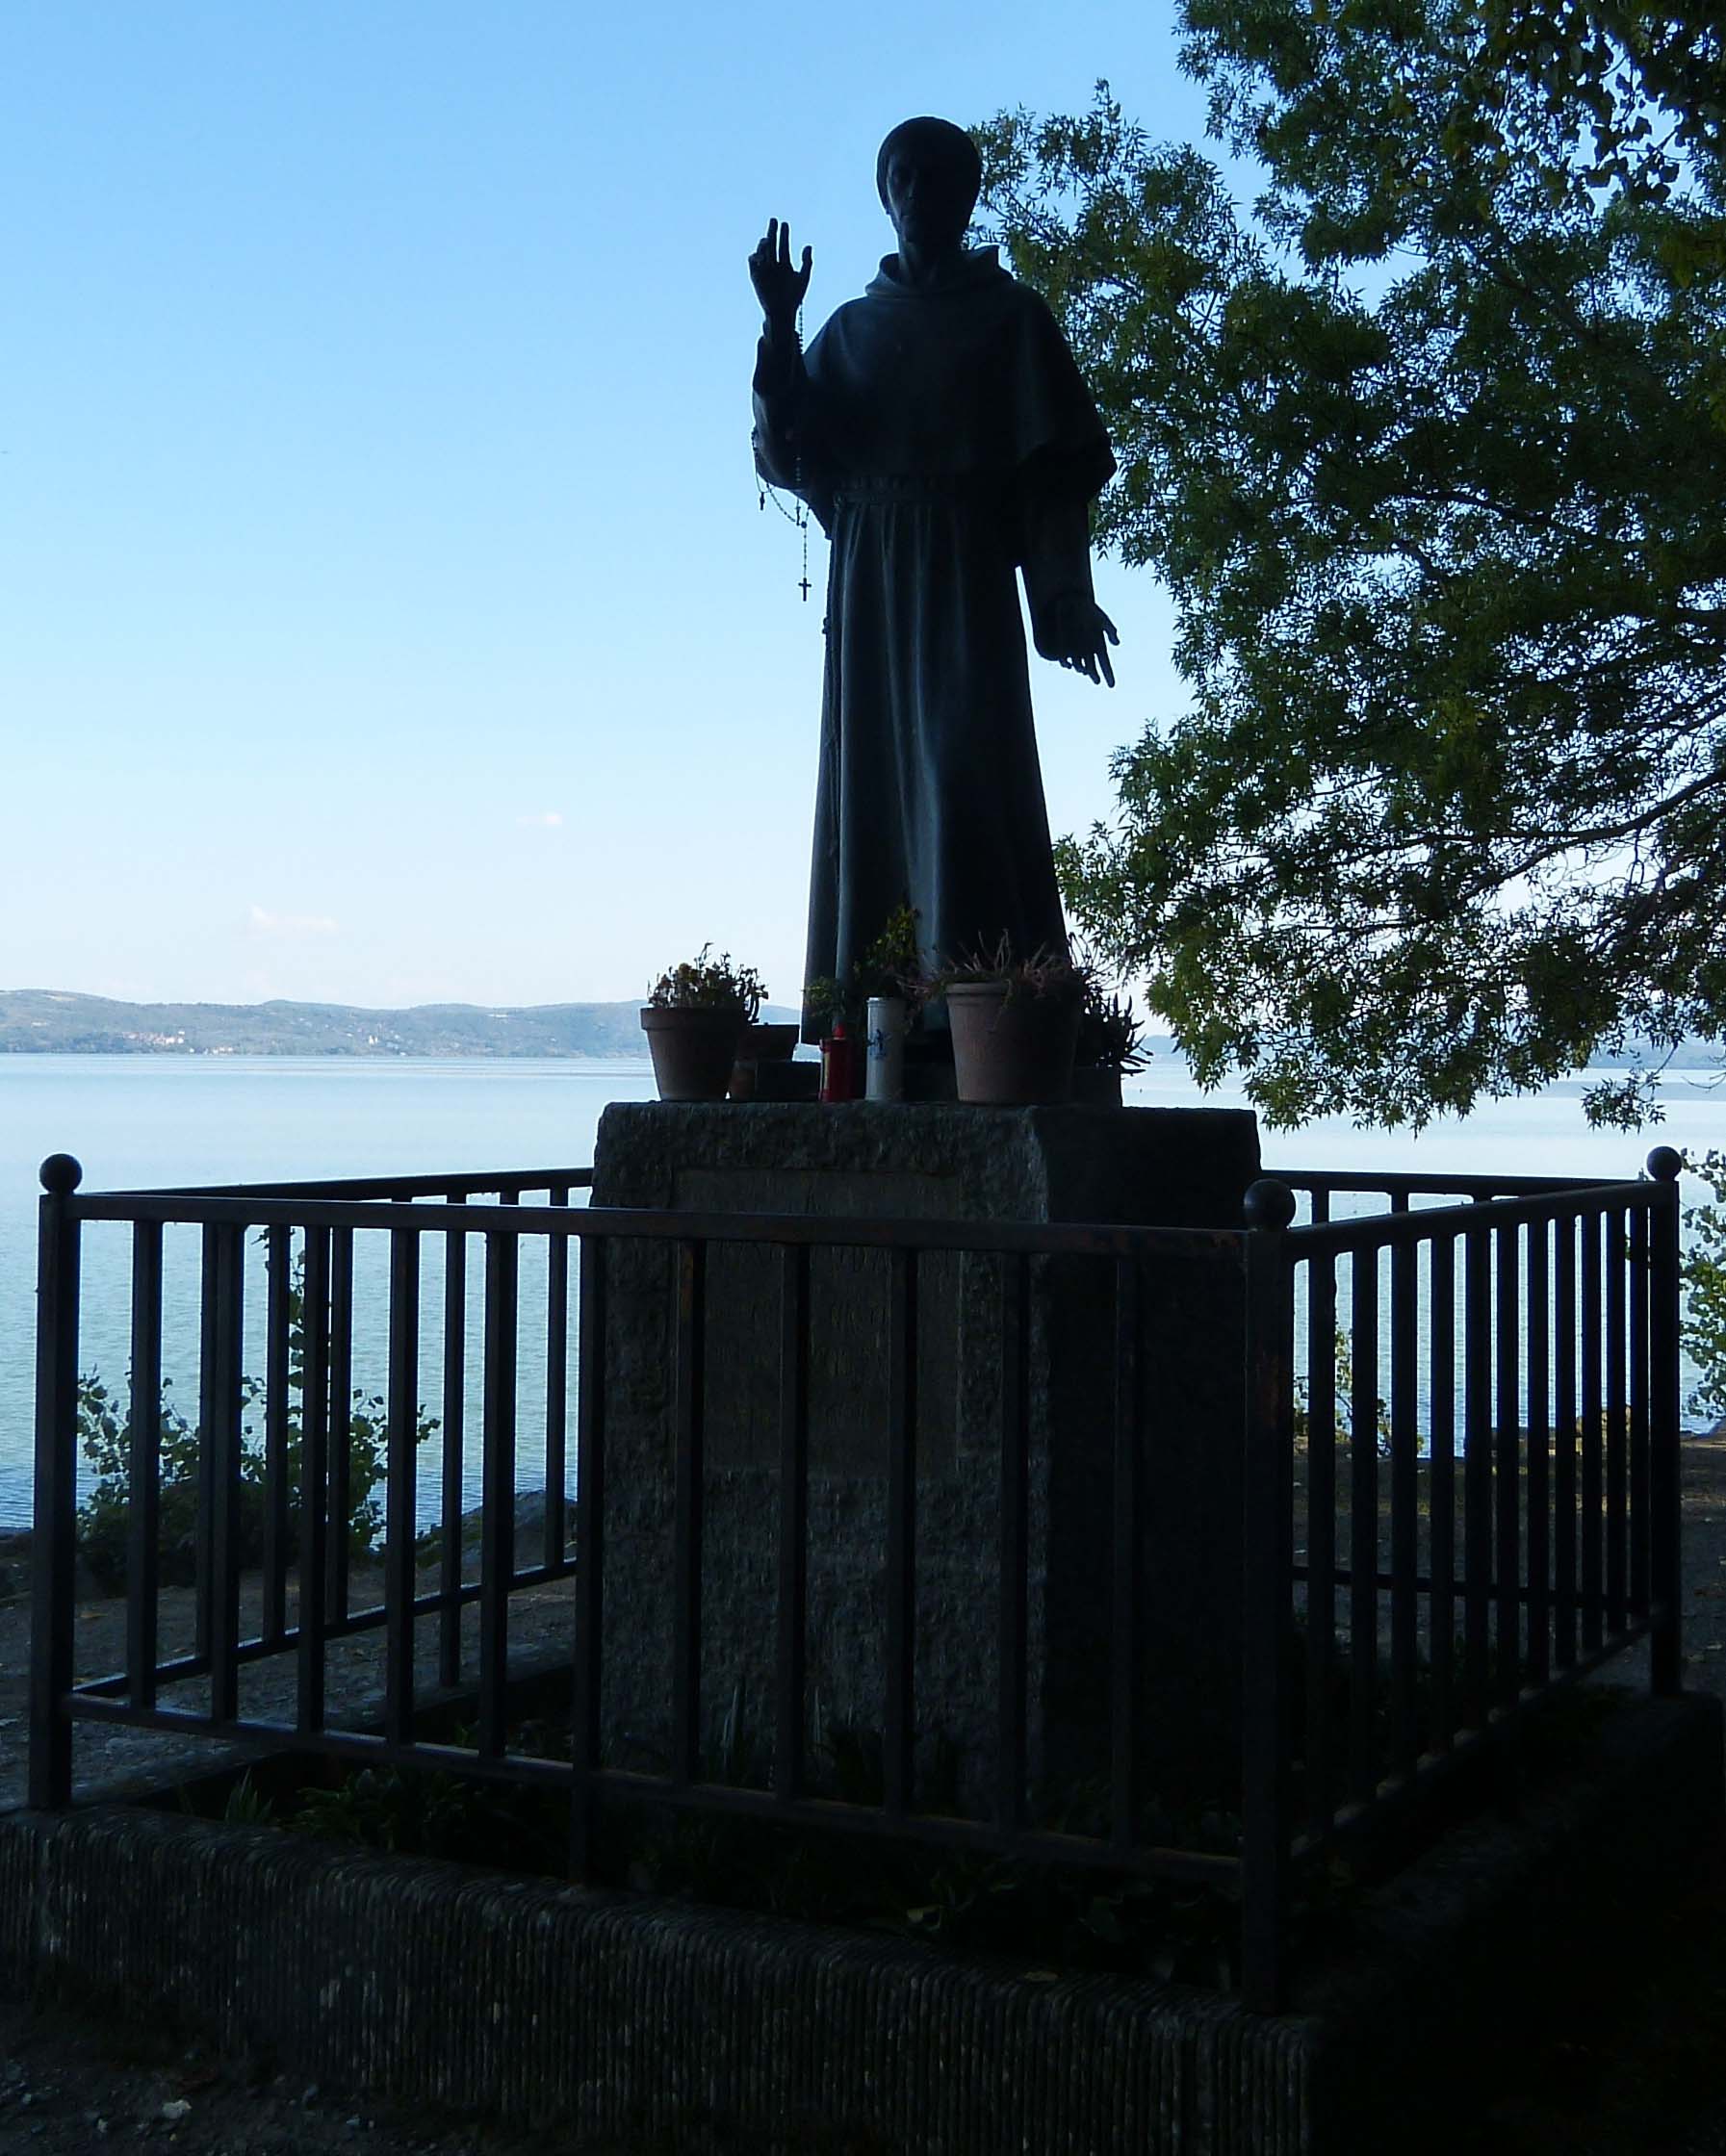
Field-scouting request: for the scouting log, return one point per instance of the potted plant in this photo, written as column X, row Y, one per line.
column 889, row 968
column 888, row 977
column 1108, row 1046
column 694, row 1021
column 1015, row 1025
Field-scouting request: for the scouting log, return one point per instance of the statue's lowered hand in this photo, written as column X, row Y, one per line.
column 779, row 284
column 1079, row 636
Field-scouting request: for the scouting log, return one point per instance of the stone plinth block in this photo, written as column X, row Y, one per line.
column 1187, row 1168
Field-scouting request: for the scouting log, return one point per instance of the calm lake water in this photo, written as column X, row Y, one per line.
column 136, row 1121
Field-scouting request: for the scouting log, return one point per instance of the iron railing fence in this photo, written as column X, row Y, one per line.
column 331, row 1264
column 1514, row 1359
column 1485, row 1406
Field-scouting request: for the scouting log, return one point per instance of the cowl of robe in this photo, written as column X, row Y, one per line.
column 933, row 432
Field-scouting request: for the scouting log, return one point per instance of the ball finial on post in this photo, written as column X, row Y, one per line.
column 61, row 1174
column 1665, row 1164
column 1269, row 1204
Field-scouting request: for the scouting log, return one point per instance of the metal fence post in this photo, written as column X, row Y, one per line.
column 1665, row 1579
column 52, row 1550
column 1267, row 1592
column 220, row 1444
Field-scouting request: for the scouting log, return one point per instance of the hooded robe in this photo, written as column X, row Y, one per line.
column 944, row 438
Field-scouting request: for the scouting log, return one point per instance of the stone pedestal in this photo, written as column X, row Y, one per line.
column 1187, row 1167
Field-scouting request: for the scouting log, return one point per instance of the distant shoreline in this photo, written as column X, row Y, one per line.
column 52, row 1021
column 55, row 1021
column 298, row 1049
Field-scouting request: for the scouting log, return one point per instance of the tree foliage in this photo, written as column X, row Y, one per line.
column 1430, row 451
column 1704, row 1287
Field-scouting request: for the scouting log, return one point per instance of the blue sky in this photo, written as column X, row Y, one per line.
column 385, row 611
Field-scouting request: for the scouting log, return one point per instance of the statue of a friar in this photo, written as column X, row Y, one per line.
column 940, row 431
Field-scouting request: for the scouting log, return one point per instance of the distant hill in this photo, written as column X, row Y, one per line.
column 50, row 1021
column 44, row 1021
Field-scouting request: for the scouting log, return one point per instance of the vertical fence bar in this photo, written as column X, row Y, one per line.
column 496, row 1470
column 1506, row 1564
column 455, row 1415
column 899, row 1705
column 314, row 1474
column 1665, row 1579
column 1592, row 1227
column 793, row 1518
column 590, row 1547
column 341, row 1420
column 1637, row 1491
column 1405, row 1505
column 1617, row 1475
column 143, row 1460
column 1320, row 1533
column 1268, row 1527
column 1563, row 1479
column 52, row 1552
column 203, row 1584
column 690, row 1476
column 557, row 1382
column 1014, row 1563
column 1536, row 1312
column 1363, row 1519
column 279, row 1294
column 218, row 1418
column 1441, row 1481
column 402, row 1440
column 1127, row 1559
column 1477, row 1473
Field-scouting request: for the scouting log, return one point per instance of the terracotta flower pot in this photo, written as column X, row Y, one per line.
column 1011, row 1051
column 693, row 1049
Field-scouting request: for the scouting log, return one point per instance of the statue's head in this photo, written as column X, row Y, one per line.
column 927, row 173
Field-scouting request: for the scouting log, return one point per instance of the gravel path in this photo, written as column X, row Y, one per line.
column 67, row 2089
column 114, row 1761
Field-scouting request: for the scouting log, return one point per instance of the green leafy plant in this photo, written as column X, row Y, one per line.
column 429, row 1812
column 1111, row 1032
column 1704, row 1321
column 710, row 984
column 247, row 1806
column 395, row 1809
column 827, row 1002
column 1343, row 1392
column 105, row 1436
column 892, row 964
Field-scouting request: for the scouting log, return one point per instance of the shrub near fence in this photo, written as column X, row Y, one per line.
column 1518, row 1527
column 105, row 1422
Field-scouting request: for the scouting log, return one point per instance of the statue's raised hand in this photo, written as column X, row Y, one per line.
column 779, row 284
